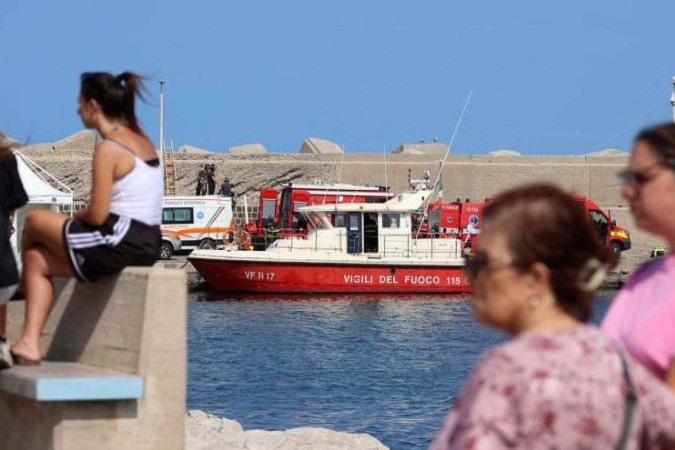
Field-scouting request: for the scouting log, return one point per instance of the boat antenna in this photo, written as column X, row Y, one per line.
column 384, row 155
column 339, row 177
column 440, row 169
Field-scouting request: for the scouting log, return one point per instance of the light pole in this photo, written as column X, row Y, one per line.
column 161, row 118
column 672, row 98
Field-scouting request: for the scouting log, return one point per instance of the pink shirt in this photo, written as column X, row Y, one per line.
column 557, row 389
column 642, row 316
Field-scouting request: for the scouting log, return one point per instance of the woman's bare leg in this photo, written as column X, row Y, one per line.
column 43, row 259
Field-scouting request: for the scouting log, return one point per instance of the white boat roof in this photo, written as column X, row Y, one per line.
column 344, row 187
column 405, row 202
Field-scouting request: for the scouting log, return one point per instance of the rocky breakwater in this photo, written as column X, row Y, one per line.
column 208, row 432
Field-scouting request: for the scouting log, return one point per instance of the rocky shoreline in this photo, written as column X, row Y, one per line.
column 208, row 432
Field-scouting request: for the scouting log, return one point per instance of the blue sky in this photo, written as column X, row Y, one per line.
column 548, row 77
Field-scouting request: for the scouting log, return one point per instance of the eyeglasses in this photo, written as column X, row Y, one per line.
column 641, row 177
column 478, row 262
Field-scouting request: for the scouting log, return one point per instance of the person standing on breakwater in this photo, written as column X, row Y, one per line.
column 119, row 228
column 12, row 197
column 642, row 316
column 202, row 181
column 558, row 383
column 225, row 188
column 211, row 179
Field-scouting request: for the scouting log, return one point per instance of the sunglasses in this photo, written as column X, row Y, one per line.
column 478, row 262
column 642, row 177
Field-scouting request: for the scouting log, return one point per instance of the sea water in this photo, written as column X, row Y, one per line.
column 386, row 365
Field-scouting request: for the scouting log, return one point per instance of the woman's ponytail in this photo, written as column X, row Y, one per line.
column 132, row 86
column 115, row 94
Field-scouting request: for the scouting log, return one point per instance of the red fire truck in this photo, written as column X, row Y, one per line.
column 277, row 210
column 462, row 219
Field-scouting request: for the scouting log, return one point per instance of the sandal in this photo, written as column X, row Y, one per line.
column 23, row 361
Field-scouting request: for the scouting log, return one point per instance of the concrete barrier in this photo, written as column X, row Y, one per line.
column 114, row 375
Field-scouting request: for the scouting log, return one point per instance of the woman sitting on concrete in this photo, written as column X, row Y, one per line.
column 119, row 228
column 558, row 383
column 641, row 316
column 12, row 196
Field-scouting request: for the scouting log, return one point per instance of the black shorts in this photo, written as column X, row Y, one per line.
column 99, row 251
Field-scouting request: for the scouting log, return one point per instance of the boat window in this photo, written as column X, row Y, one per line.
column 339, row 220
column 391, row 220
column 177, row 215
column 316, row 220
column 354, row 222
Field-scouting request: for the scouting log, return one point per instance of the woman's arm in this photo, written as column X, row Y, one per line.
column 102, row 180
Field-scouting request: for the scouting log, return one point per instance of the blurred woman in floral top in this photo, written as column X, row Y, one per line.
column 558, row 383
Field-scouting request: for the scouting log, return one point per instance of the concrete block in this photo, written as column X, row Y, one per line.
column 133, row 324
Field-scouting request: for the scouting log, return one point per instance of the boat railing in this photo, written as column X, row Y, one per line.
column 401, row 245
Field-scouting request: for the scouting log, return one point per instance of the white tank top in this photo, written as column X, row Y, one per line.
column 138, row 195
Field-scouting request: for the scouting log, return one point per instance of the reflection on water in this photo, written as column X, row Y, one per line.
column 385, row 365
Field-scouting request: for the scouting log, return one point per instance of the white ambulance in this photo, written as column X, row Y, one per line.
column 199, row 221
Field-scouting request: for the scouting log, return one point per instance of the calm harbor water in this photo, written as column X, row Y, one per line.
column 389, row 366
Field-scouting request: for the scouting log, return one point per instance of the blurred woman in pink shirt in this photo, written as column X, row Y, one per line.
column 558, row 383
column 642, row 316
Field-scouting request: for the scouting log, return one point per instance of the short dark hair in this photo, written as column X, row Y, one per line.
column 547, row 225
column 116, row 94
column 661, row 140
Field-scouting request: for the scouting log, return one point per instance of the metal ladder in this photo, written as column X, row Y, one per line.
column 170, row 181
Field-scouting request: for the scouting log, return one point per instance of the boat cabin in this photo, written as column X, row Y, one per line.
column 370, row 229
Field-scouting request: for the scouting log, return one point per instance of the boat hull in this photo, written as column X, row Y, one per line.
column 292, row 277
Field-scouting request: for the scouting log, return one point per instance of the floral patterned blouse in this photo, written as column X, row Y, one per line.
column 557, row 390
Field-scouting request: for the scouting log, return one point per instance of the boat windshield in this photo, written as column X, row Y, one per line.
column 318, row 221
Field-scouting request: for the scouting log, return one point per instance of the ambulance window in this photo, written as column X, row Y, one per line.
column 177, row 215
column 391, row 220
column 339, row 221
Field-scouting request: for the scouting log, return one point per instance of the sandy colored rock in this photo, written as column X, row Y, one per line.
column 82, row 141
column 247, row 150
column 434, row 149
column 319, row 147
column 191, row 150
column 206, row 431
column 504, row 153
column 607, row 152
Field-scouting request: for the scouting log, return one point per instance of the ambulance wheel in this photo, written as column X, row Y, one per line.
column 615, row 247
column 207, row 244
column 165, row 251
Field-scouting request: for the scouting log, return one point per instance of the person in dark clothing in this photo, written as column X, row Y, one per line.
column 202, row 181
column 12, row 196
column 225, row 188
column 211, row 179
